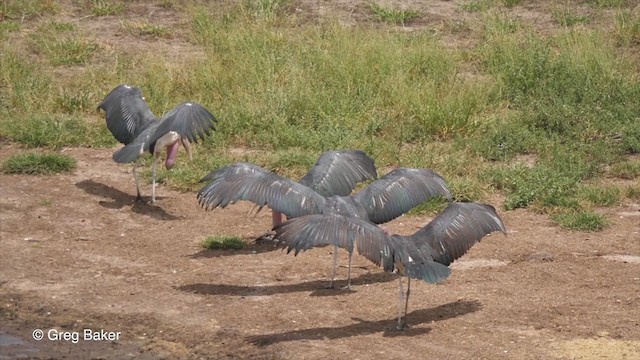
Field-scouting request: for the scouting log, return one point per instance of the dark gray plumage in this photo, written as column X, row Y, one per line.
column 425, row 255
column 383, row 200
column 132, row 123
column 335, row 173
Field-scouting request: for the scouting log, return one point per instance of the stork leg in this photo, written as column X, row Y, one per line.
column 135, row 177
column 348, row 287
column 406, row 303
column 400, row 325
column 276, row 218
column 153, row 191
column 335, row 265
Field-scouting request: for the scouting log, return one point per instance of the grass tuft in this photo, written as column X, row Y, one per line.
column 223, row 243
column 393, row 16
column 626, row 169
column 106, row 8
column 38, row 164
column 581, row 220
column 147, row 29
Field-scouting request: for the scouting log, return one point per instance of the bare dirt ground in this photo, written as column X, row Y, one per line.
column 79, row 253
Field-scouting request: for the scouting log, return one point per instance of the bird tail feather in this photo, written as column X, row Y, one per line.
column 128, row 154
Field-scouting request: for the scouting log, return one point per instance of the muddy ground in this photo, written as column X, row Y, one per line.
column 78, row 253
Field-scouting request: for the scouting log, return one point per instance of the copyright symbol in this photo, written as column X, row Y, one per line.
column 38, row 334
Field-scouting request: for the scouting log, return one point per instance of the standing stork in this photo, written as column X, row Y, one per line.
column 132, row 123
column 425, row 255
column 383, row 200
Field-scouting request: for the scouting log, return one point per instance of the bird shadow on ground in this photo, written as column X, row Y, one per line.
column 121, row 199
column 364, row 327
column 250, row 248
column 316, row 287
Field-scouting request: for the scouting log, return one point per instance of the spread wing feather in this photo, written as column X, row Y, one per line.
column 127, row 113
column 456, row 229
column 338, row 172
column 243, row 181
column 399, row 191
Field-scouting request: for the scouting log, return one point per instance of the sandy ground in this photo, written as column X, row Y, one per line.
column 78, row 253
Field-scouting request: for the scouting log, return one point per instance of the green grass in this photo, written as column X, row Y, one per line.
column 67, row 51
column 582, row 220
column 567, row 17
column 106, row 7
column 56, row 131
column 626, row 170
column 627, row 27
column 608, row 3
column 393, row 16
column 223, row 243
column 38, row 164
column 147, row 29
column 26, row 9
column 601, row 195
column 477, row 5
column 540, row 116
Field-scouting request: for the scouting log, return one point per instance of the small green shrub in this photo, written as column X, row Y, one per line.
column 223, row 243
column 38, row 164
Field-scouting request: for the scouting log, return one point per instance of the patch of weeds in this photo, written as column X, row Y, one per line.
column 476, row 5
column 38, row 164
column 55, row 26
column 46, row 202
column 632, row 192
column 567, row 17
column 430, row 207
column 24, row 9
column 167, row 4
column 224, row 242
column 608, row 3
column 106, row 8
column 627, row 28
column 503, row 141
column 264, row 9
column 55, row 131
column 393, row 16
column 72, row 102
column 8, row 26
column 466, row 189
column 601, row 195
column 625, row 169
column 68, row 51
column 511, row 3
column 147, row 29
column 581, row 220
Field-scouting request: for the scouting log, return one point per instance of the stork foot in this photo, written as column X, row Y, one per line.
column 346, row 287
column 139, row 198
column 402, row 325
column 266, row 237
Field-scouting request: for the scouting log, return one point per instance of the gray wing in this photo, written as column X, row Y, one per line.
column 127, row 113
column 189, row 120
column 456, row 229
column 242, row 181
column 338, row 172
column 399, row 191
column 310, row 231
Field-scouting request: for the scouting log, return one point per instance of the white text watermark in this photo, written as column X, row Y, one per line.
column 76, row 336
